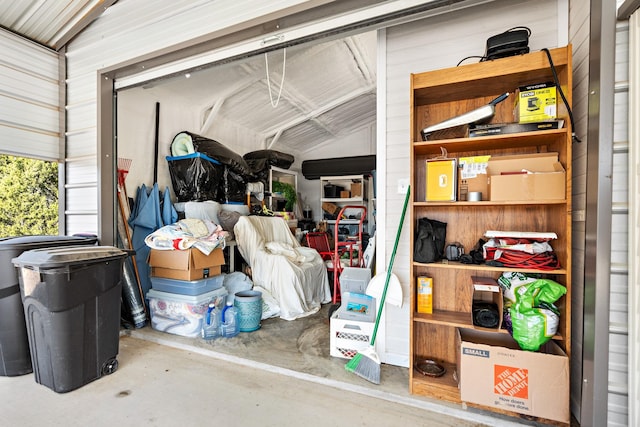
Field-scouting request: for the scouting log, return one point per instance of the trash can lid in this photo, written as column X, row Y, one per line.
column 25, row 243
column 66, row 256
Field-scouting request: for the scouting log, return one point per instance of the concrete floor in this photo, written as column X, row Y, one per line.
column 280, row 375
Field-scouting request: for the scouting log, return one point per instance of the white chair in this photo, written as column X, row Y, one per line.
column 295, row 275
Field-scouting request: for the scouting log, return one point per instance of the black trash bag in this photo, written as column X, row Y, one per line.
column 197, row 178
column 265, row 158
column 235, row 187
column 260, row 170
column 429, row 240
column 216, row 151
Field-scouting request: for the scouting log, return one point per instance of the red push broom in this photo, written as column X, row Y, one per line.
column 366, row 363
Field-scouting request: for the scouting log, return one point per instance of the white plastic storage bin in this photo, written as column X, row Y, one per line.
column 348, row 337
column 181, row 314
column 187, row 287
column 356, row 280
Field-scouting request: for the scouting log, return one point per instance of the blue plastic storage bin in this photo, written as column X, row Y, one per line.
column 187, row 287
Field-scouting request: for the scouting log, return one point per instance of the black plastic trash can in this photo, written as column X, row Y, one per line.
column 15, row 358
column 71, row 299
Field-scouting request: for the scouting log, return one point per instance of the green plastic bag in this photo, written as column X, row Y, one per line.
column 534, row 317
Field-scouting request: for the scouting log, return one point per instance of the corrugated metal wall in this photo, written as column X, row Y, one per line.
column 619, row 296
column 435, row 43
column 29, row 99
column 579, row 38
column 633, row 400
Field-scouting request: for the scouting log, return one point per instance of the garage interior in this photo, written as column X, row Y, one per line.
column 608, row 392
column 274, row 101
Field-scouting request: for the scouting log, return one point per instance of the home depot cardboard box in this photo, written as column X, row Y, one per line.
column 538, row 176
column 494, row 372
column 190, row 264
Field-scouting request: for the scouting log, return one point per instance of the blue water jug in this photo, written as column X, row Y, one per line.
column 211, row 323
column 229, row 325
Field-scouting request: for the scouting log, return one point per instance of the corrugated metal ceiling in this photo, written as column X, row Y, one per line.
column 51, row 23
column 328, row 91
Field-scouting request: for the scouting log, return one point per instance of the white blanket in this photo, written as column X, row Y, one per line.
column 296, row 276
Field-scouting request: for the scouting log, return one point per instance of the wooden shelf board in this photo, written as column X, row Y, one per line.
column 339, row 200
column 457, row 319
column 491, row 203
column 456, row 145
column 444, row 387
column 451, row 318
column 460, row 266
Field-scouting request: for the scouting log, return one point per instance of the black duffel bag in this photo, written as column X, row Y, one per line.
column 428, row 245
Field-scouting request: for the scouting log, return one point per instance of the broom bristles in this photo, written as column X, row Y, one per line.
column 365, row 364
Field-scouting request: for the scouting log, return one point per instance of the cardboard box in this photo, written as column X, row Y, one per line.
column 425, row 294
column 441, row 180
column 356, row 189
column 345, row 194
column 536, row 103
column 190, row 264
column 537, row 176
column 330, row 208
column 494, row 372
column 486, row 291
column 472, row 176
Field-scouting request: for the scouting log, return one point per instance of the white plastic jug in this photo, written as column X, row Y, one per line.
column 229, row 323
column 211, row 323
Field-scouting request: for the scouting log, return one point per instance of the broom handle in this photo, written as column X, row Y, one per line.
column 393, row 257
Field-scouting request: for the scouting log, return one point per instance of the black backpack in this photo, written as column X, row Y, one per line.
column 429, row 240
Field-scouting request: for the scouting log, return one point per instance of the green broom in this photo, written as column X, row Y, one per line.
column 366, row 363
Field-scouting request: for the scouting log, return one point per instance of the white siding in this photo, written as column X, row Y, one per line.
column 29, row 99
column 435, row 43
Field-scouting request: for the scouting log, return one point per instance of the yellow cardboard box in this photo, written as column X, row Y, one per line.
column 425, row 294
column 441, row 180
column 537, row 103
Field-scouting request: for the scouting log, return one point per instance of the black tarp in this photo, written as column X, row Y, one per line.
column 260, row 162
column 356, row 165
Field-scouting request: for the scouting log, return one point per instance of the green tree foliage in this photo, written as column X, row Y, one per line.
column 28, row 197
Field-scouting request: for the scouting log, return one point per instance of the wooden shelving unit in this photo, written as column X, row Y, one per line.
column 437, row 96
